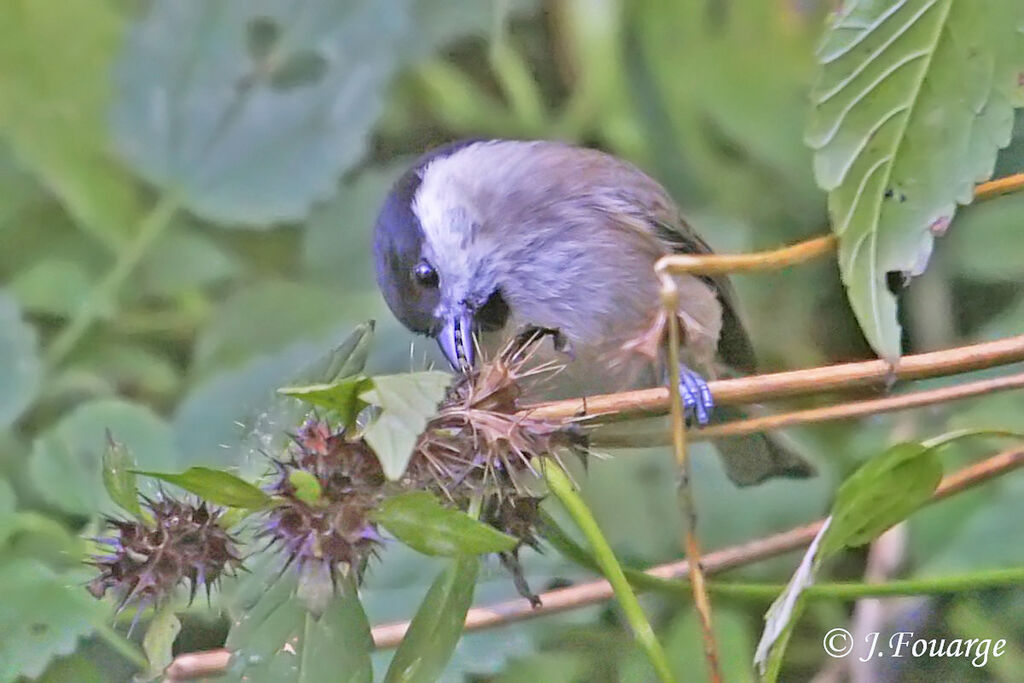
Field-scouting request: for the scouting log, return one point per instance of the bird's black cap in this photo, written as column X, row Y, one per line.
column 398, row 247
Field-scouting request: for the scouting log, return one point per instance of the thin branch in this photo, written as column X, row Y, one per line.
column 846, row 411
column 801, row 252
column 691, row 545
column 999, row 187
column 761, row 388
column 721, row 264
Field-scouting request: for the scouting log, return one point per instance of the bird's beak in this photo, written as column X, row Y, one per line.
column 456, row 340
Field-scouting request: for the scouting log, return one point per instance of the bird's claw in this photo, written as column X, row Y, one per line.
column 697, row 399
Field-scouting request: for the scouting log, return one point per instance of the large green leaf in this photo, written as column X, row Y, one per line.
column 42, row 615
column 420, row 521
column 254, row 109
column 264, row 318
column 184, row 260
column 66, row 462
column 913, row 101
column 407, row 402
column 437, row 626
column 53, row 95
column 274, row 638
column 20, row 369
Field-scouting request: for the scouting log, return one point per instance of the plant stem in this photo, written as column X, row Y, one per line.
column 151, row 226
column 939, row 585
column 562, row 488
column 122, row 645
column 670, row 302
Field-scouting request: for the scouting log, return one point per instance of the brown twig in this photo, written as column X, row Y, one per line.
column 801, row 252
column 691, row 546
column 721, row 264
column 761, row 388
column 999, row 186
column 846, row 411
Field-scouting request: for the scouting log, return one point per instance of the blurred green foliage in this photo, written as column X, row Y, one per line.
column 269, row 131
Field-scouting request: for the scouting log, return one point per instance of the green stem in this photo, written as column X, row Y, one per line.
column 149, row 229
column 560, row 485
column 940, row 585
column 122, row 646
column 990, row 578
column 305, row 665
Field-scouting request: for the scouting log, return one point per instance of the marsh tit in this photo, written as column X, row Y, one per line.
column 482, row 238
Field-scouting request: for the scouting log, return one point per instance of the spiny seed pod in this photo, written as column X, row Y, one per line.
column 148, row 559
column 478, row 442
column 327, row 489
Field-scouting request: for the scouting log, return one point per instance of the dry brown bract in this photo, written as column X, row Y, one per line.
column 478, row 443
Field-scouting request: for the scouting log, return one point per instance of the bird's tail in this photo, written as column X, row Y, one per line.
column 751, row 459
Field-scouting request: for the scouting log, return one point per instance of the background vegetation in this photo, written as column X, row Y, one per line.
column 171, row 250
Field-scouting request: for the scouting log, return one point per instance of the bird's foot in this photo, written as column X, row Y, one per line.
column 697, row 399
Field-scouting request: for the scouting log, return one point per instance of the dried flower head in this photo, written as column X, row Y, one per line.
column 479, row 442
column 327, row 489
column 148, row 559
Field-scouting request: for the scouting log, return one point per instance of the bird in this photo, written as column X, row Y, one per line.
column 482, row 238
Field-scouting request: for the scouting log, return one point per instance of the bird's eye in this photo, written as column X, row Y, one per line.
column 425, row 274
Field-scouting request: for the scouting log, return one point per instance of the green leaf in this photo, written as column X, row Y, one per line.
column 912, row 103
column 407, row 403
column 20, row 370
column 8, row 501
column 307, row 487
column 342, row 396
column 339, row 260
column 54, row 88
column 345, row 360
column 277, row 641
column 264, row 318
column 54, row 286
column 881, row 493
column 420, row 521
column 183, row 260
column 77, row 668
column 118, row 477
column 254, row 137
column 158, row 643
column 43, row 615
column 437, row 626
column 66, row 461
column 782, row 615
column 216, row 486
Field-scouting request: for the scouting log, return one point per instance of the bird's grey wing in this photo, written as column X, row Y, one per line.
column 734, row 346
